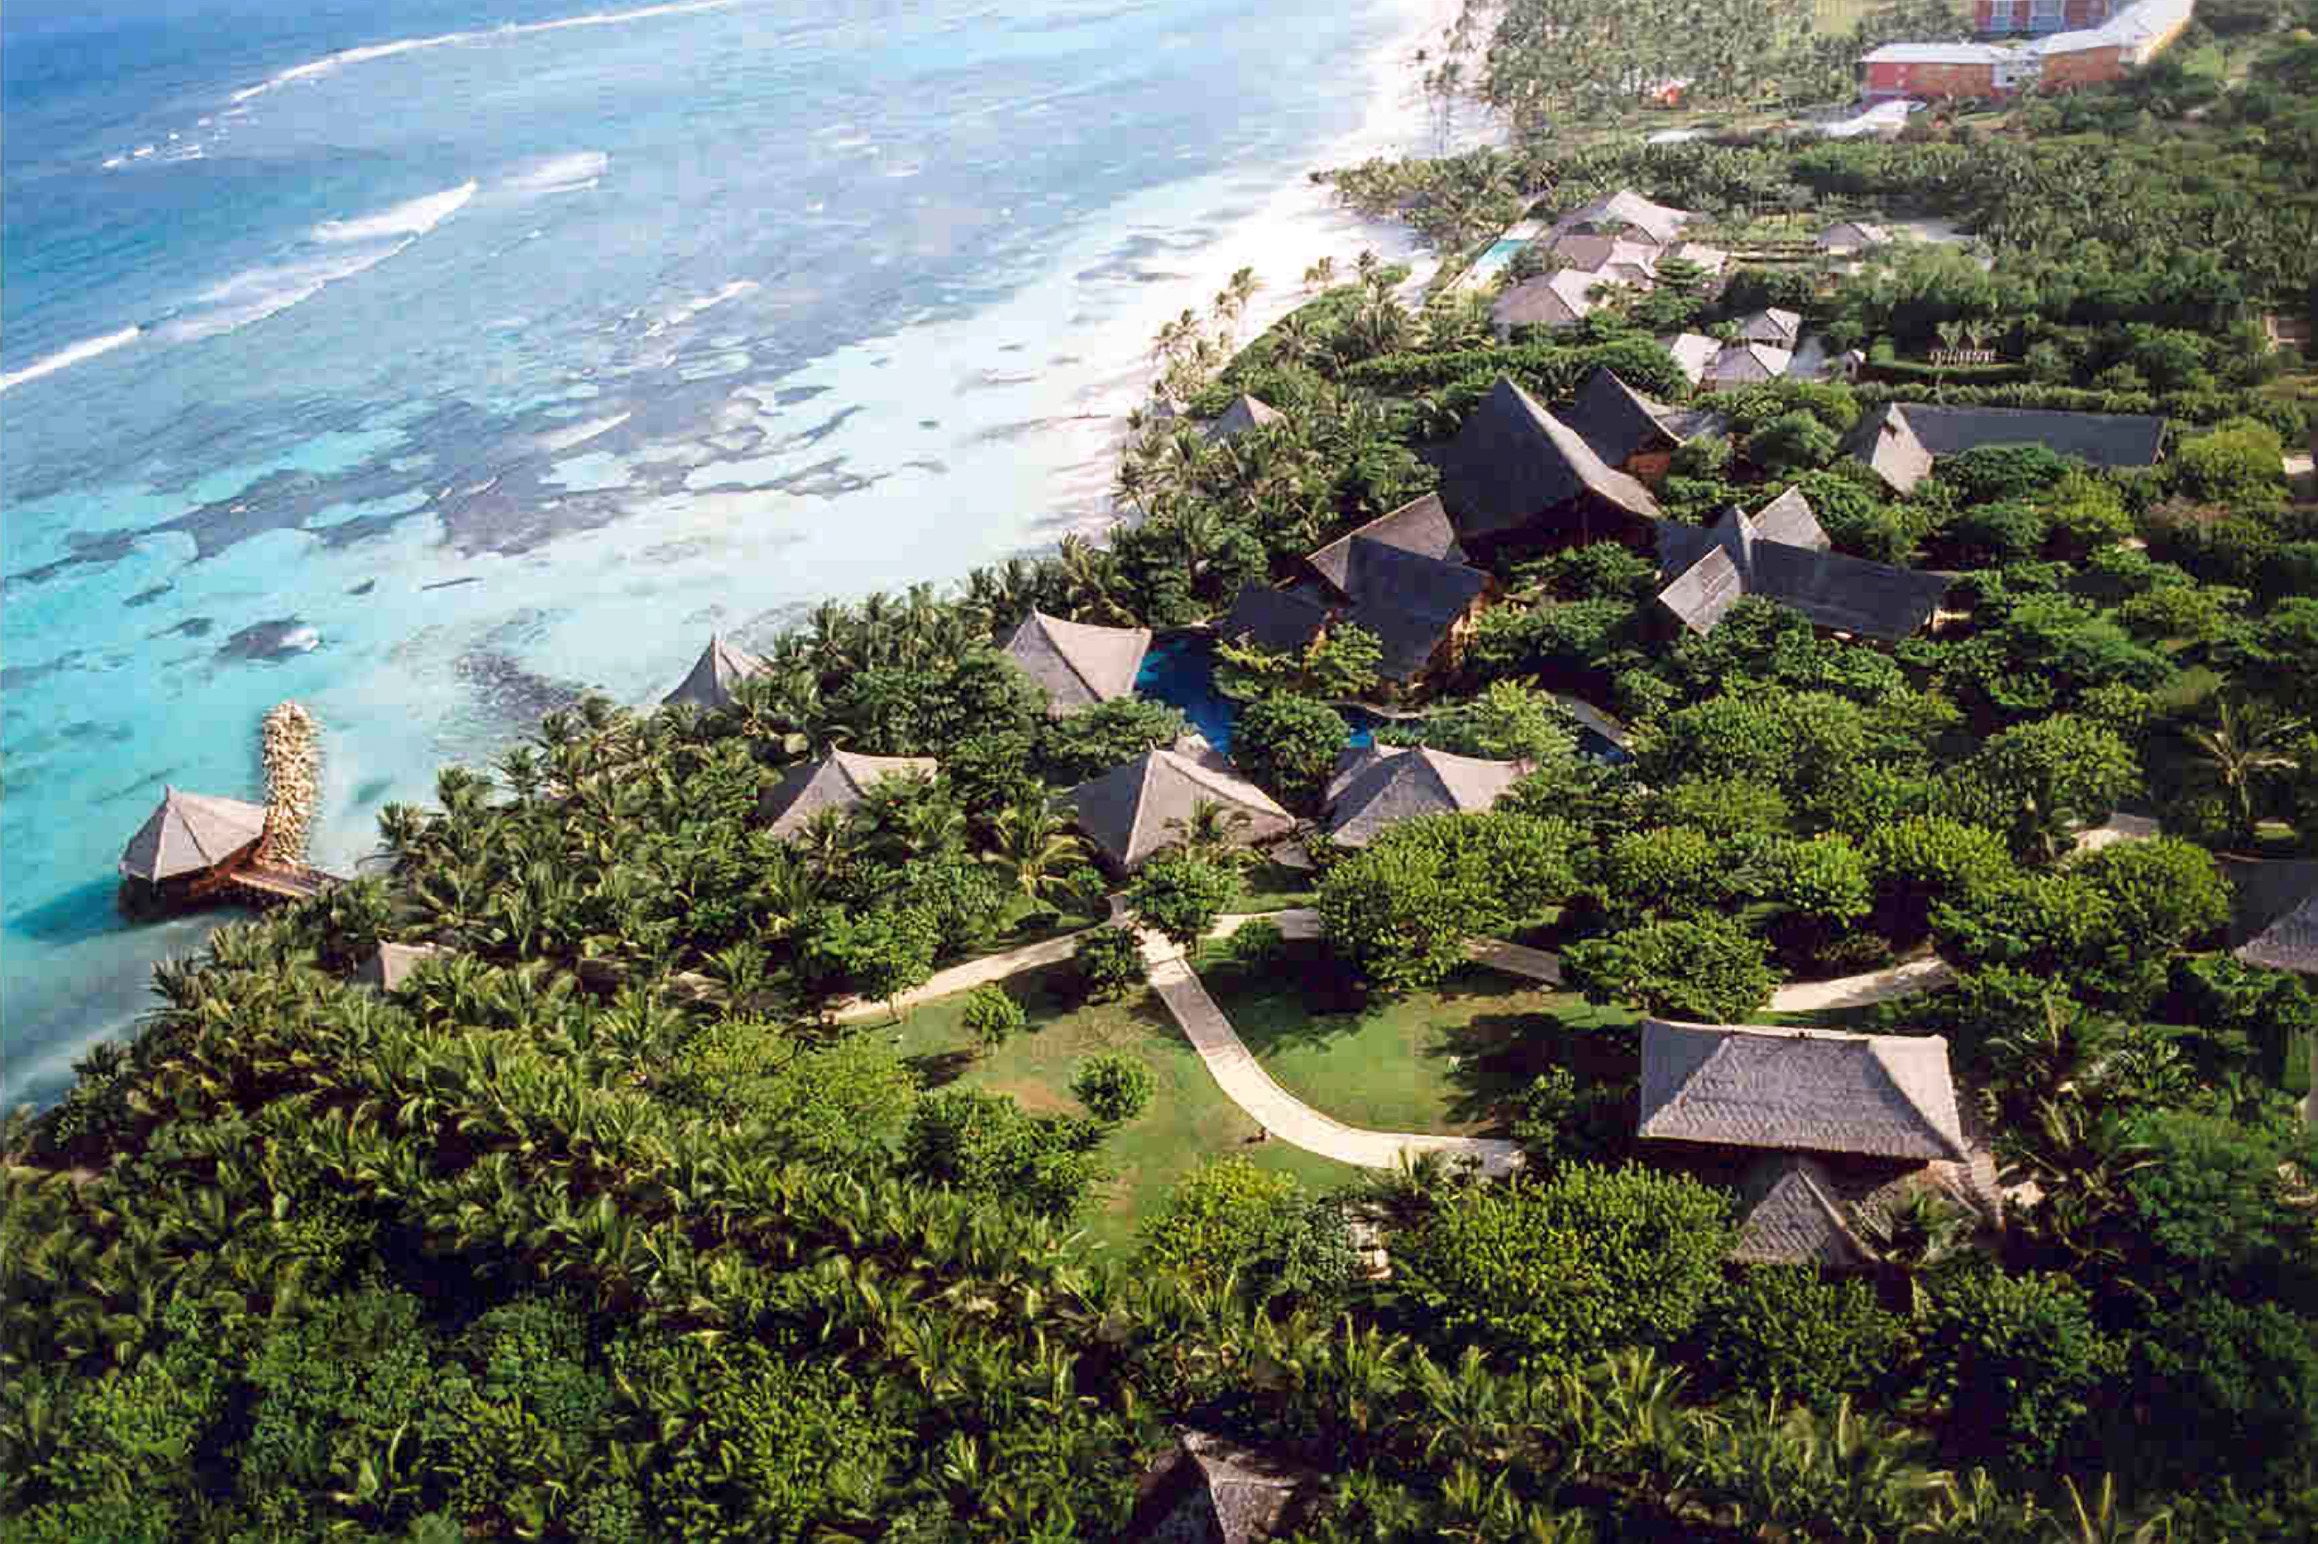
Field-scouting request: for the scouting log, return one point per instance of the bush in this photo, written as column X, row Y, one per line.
column 2237, row 1385
column 1256, row 943
column 2239, row 465
column 1781, row 1330
column 993, row 1017
column 1708, row 969
column 1114, row 1087
column 1559, row 1272
column 1229, row 1220
column 1401, row 909
column 1110, row 964
column 1181, row 895
column 1290, row 745
column 987, row 1145
column 2010, row 1360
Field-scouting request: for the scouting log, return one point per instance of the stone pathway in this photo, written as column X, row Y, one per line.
column 962, row 978
column 1876, row 986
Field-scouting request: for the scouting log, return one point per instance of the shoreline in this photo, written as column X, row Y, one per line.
column 1279, row 221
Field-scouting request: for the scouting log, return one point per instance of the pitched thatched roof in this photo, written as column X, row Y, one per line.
column 1747, row 364
column 1617, row 421
column 1211, row 1490
column 390, row 965
column 1409, row 601
column 2289, row 943
column 1513, row 463
column 1134, row 810
column 1713, row 259
column 1693, row 353
column 1558, row 299
column 834, row 781
column 1078, row 664
column 1799, row 1090
column 1885, row 440
column 1852, row 236
column 1659, row 223
column 1773, row 325
column 1788, row 518
column 1791, row 1213
column 2098, row 439
column 1607, row 256
column 1381, row 785
column 1283, row 621
column 189, row 832
column 1713, row 567
column 721, row 665
column 1420, row 526
column 1245, row 413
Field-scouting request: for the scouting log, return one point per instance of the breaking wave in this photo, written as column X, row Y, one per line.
column 65, row 358
column 561, row 174
column 415, row 218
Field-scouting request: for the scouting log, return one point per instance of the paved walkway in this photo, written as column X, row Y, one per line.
column 1876, row 986
column 2117, row 828
column 1516, row 960
column 961, row 978
column 1244, row 1081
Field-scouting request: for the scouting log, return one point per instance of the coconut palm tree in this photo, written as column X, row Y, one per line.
column 1320, row 274
column 1033, row 847
column 1211, row 833
column 2248, row 745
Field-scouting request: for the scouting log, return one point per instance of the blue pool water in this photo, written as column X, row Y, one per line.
column 1491, row 261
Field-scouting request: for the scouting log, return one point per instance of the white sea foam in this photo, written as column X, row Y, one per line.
column 580, row 433
column 699, row 303
column 561, row 174
column 330, row 64
column 414, row 218
column 65, row 358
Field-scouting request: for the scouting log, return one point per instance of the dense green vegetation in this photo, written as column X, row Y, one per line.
column 605, row 1226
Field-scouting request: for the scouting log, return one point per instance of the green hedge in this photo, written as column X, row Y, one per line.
column 1542, row 367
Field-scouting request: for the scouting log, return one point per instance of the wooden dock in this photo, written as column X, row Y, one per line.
column 266, row 882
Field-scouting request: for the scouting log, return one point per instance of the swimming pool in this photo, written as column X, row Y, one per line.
column 1490, row 263
column 1180, row 671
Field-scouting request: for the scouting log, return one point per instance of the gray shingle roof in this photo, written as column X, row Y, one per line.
column 1409, row 601
column 1420, row 526
column 1852, row 235
column 721, row 665
column 1380, row 785
column 1282, row 621
column 834, row 781
column 1078, row 664
column 1513, row 463
column 1791, row 1213
column 2289, row 943
column 1661, row 223
column 1244, row 413
column 1128, row 810
column 1215, row 1491
column 1885, row 440
column 1714, row 567
column 1772, row 325
column 1617, row 421
column 1799, row 1090
column 1747, row 363
column 2098, row 439
column 189, row 832
column 1558, row 299
column 1693, row 352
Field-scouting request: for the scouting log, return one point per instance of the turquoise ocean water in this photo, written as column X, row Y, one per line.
column 428, row 362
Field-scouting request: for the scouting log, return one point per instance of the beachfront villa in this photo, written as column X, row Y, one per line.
column 1146, row 804
column 836, row 780
column 1514, row 473
column 1781, row 554
column 1625, row 212
column 1635, row 434
column 1562, row 298
column 1818, row 1130
column 192, row 845
column 1078, row 664
column 722, row 666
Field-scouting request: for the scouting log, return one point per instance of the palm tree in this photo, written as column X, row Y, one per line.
column 1321, row 274
column 1035, row 849
column 2249, row 745
column 1211, row 834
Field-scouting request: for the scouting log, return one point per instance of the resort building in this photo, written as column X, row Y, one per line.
column 1713, row 259
column 1515, row 473
column 1134, row 810
column 1076, row 663
column 1210, row 1490
column 1782, row 555
column 2276, row 903
column 1746, row 364
column 2003, row 18
column 1847, row 238
column 1633, row 433
column 193, row 844
column 1562, row 298
column 1899, row 441
column 1244, row 413
column 1377, row 786
column 1782, row 329
column 836, row 780
column 1420, row 526
column 1276, row 621
column 1624, row 212
column 1818, row 1129
column 2079, row 43
column 1693, row 353
column 721, row 666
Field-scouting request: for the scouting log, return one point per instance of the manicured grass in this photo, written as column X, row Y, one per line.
column 1275, row 887
column 1838, row 16
column 1188, row 1121
column 1443, row 1060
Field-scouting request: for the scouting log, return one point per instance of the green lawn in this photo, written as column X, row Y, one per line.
column 1188, row 1120
column 1275, row 887
column 1440, row 1061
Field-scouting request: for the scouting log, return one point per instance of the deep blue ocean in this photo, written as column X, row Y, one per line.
column 431, row 361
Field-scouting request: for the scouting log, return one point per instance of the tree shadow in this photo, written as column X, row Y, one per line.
column 1496, row 1056
column 1301, row 998
column 938, row 1069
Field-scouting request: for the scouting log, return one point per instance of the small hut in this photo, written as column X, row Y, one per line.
column 722, row 666
column 1078, row 664
column 837, row 781
column 1135, row 809
column 191, row 846
column 1211, row 1490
